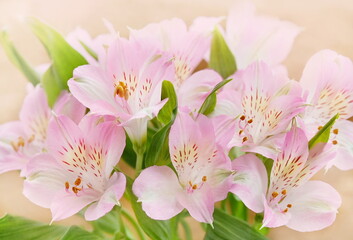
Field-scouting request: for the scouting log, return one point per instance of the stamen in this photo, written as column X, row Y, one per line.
column 67, row 185
column 335, row 131
column 21, row 142
column 334, row 142
column 31, row 139
column 284, row 192
column 285, row 210
column 76, row 189
column 194, row 186
column 274, row 194
column 319, row 128
column 289, row 205
column 14, row 146
column 121, row 90
column 78, row 181
column 242, row 117
column 241, row 131
column 245, row 139
column 250, row 121
column 204, row 178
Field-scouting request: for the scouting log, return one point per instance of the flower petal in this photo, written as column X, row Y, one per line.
column 158, row 188
column 110, row 198
column 194, row 90
column 253, row 37
column 69, row 106
column 250, row 181
column 199, row 203
column 315, row 206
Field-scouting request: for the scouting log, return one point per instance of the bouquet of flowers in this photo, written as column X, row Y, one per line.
column 138, row 134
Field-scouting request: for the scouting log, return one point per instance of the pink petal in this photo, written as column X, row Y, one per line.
column 111, row 196
column 69, row 106
column 274, row 217
column 158, row 188
column 44, row 179
column 253, row 37
column 107, row 137
column 327, row 78
column 250, row 181
column 35, row 113
column 65, row 204
column 344, row 157
column 92, row 88
column 199, row 203
column 290, row 161
column 63, row 137
column 194, row 90
column 315, row 206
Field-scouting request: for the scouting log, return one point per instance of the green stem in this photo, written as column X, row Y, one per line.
column 139, row 161
column 187, row 229
column 134, row 223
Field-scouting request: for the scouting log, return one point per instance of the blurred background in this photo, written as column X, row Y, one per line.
column 326, row 24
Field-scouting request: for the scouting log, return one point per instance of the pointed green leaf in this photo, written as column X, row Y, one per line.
column 323, row 135
column 209, row 104
column 221, row 58
column 227, row 227
column 108, row 224
column 17, row 59
column 20, row 228
column 166, row 114
column 156, row 230
column 64, row 58
column 158, row 151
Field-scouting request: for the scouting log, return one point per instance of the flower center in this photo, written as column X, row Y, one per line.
column 16, row 145
column 121, row 90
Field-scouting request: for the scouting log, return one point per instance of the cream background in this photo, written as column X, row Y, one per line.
column 327, row 24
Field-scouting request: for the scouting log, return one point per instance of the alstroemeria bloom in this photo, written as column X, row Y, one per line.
column 256, row 107
column 128, row 87
column 201, row 173
column 252, row 37
column 328, row 77
column 77, row 170
column 290, row 199
column 186, row 47
column 20, row 140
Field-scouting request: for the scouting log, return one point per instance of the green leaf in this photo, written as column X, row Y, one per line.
column 227, row 227
column 129, row 155
column 221, row 58
column 323, row 135
column 209, row 104
column 156, row 230
column 77, row 233
column 51, row 85
column 108, row 224
column 158, row 151
column 64, row 59
column 167, row 113
column 20, row 228
column 17, row 59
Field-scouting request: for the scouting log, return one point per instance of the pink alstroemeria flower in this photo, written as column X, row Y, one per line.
column 201, row 173
column 255, row 108
column 252, row 37
column 128, row 87
column 328, row 77
column 77, row 170
column 20, row 140
column 290, row 199
column 186, row 47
